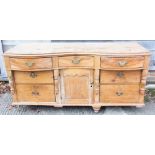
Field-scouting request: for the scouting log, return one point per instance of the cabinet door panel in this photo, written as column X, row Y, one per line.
column 76, row 86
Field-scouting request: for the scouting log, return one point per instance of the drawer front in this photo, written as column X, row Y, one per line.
column 35, row 93
column 119, row 93
column 120, row 76
column 76, row 61
column 30, row 64
column 33, row 77
column 122, row 62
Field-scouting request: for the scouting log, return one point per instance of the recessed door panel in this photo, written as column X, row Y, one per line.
column 76, row 86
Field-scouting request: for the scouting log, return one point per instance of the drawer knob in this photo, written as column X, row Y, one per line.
column 119, row 93
column 76, row 60
column 122, row 63
column 35, row 93
column 29, row 64
column 33, row 75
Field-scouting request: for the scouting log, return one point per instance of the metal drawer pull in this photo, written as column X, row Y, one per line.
column 33, row 75
column 29, row 64
column 119, row 93
column 76, row 60
column 35, row 93
column 122, row 63
column 120, row 74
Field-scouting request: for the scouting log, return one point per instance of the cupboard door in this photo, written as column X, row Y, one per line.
column 76, row 86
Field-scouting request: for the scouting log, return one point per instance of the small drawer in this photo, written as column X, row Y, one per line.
column 76, row 61
column 120, row 76
column 122, row 62
column 35, row 93
column 33, row 77
column 119, row 93
column 30, row 63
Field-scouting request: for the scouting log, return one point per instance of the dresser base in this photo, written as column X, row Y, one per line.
column 96, row 108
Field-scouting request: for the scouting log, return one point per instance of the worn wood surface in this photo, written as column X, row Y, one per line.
column 78, row 74
column 122, row 62
column 119, row 93
column 33, row 77
column 31, row 64
column 123, row 76
column 35, row 93
column 76, row 61
column 77, row 48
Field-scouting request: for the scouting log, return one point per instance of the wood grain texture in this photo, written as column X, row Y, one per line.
column 33, row 77
column 119, row 93
column 31, row 64
column 104, row 74
column 37, row 49
column 123, row 76
column 35, row 93
column 122, row 62
column 76, row 61
column 75, row 86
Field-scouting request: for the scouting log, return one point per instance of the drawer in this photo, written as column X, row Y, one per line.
column 35, row 93
column 120, row 76
column 76, row 61
column 30, row 63
column 119, row 93
column 122, row 62
column 33, row 77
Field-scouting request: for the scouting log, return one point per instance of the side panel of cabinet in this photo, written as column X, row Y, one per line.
column 76, row 86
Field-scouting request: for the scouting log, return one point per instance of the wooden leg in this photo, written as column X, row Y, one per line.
column 96, row 108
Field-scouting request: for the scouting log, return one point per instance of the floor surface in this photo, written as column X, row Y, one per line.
column 7, row 109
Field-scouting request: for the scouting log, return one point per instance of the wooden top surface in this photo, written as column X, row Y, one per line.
column 37, row 49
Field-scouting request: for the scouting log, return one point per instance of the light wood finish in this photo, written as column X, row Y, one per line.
column 31, row 64
column 76, row 86
column 122, row 62
column 33, row 77
column 119, row 93
column 35, row 93
column 48, row 49
column 120, row 76
column 78, row 74
column 76, row 61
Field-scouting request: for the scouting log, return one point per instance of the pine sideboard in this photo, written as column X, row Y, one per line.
column 78, row 74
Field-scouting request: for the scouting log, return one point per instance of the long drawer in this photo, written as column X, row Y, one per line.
column 120, row 76
column 119, row 93
column 35, row 93
column 122, row 62
column 33, row 77
column 30, row 64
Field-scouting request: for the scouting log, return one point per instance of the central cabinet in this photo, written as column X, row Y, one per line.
column 76, row 86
